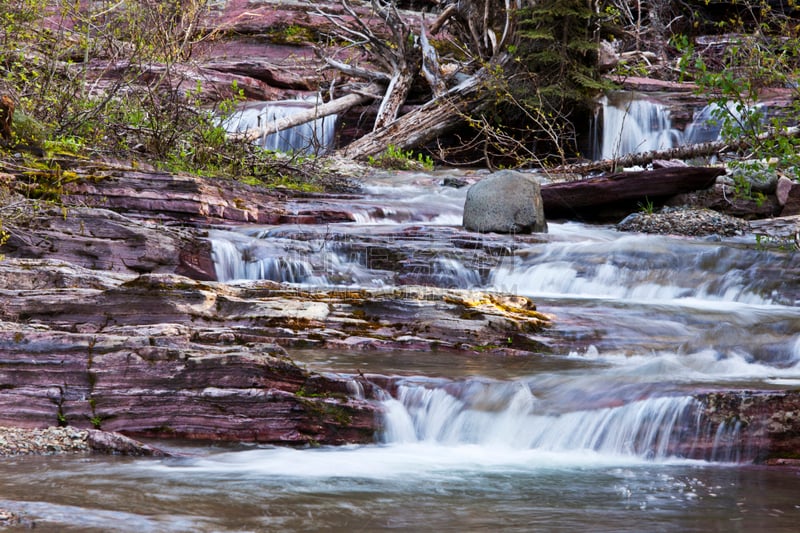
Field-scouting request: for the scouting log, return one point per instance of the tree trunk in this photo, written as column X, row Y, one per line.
column 396, row 94
column 333, row 107
column 589, row 198
column 424, row 124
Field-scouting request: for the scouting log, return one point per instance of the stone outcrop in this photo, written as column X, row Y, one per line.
column 788, row 195
column 63, row 440
column 505, row 202
column 766, row 425
column 100, row 329
column 100, row 239
column 161, row 355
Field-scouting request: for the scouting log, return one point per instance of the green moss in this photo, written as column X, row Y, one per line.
column 292, row 34
column 327, row 412
column 485, row 347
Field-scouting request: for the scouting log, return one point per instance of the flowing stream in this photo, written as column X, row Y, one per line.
column 576, row 438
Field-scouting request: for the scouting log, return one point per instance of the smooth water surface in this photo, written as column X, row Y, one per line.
column 415, row 487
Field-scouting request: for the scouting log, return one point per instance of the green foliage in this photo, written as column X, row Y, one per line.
column 4, row 236
column 556, row 44
column 752, row 64
column 150, row 109
column 647, row 207
column 291, row 34
column 397, row 159
column 548, row 86
column 789, row 244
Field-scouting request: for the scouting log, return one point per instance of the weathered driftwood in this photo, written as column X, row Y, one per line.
column 400, row 56
column 395, row 58
column 339, row 105
column 423, row 124
column 779, row 229
column 585, row 197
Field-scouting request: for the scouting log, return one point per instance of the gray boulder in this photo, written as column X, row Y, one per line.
column 505, row 202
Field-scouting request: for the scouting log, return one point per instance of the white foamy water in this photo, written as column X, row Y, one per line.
column 632, row 124
column 598, row 432
column 314, row 137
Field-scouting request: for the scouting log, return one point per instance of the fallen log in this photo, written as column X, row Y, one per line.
column 680, row 152
column 610, row 196
column 333, row 107
column 779, row 230
column 425, row 123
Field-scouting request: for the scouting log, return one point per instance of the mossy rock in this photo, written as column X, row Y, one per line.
column 27, row 130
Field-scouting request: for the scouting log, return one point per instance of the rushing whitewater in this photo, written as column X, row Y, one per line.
column 594, row 425
column 646, row 429
column 631, row 123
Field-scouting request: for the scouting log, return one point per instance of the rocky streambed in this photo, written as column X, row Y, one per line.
column 111, row 320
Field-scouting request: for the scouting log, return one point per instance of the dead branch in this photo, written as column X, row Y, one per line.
column 680, row 152
column 333, row 107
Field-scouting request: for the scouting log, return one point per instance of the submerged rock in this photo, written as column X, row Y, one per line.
column 505, row 202
column 765, row 424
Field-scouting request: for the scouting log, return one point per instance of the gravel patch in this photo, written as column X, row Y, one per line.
column 7, row 518
column 49, row 441
column 691, row 222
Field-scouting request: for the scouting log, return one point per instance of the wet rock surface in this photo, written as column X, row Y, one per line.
column 505, row 202
column 161, row 355
column 768, row 423
column 110, row 318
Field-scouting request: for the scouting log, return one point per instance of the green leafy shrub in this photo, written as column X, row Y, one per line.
column 398, row 159
column 750, row 66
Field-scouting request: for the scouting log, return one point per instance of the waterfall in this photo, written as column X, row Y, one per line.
column 230, row 265
column 644, row 269
column 633, row 125
column 508, row 415
column 627, row 123
column 312, row 137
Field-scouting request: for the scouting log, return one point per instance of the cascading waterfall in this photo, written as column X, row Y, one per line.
column 630, row 124
column 644, row 268
column 232, row 263
column 649, row 302
column 508, row 415
column 312, row 137
column 634, row 125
